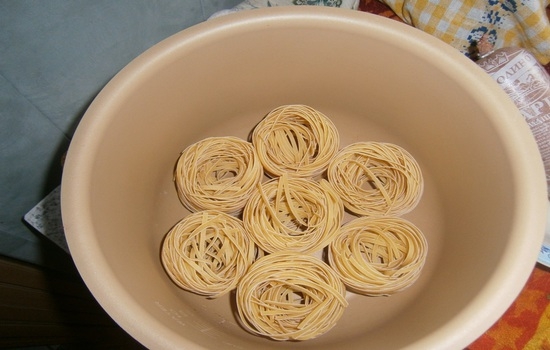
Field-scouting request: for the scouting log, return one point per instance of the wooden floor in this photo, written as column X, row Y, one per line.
column 40, row 307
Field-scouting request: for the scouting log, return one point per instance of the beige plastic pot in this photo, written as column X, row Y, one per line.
column 483, row 209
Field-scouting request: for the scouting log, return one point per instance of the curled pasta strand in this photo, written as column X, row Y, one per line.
column 217, row 173
column 290, row 296
column 376, row 179
column 207, row 253
column 378, row 256
column 294, row 214
column 295, row 139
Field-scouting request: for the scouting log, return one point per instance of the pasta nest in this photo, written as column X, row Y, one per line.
column 294, row 214
column 379, row 256
column 207, row 253
column 290, row 296
column 295, row 139
column 376, row 179
column 217, row 173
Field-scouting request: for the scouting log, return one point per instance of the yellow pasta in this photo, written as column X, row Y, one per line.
column 294, row 214
column 217, row 173
column 207, row 253
column 295, row 139
column 282, row 292
column 290, row 296
column 379, row 256
column 376, row 179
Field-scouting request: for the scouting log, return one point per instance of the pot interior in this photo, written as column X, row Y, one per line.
column 377, row 81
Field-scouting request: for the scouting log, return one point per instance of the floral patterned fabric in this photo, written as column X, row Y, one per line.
column 380, row 8
column 253, row 4
column 526, row 324
column 459, row 23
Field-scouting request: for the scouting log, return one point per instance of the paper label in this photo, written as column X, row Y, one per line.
column 528, row 85
column 45, row 217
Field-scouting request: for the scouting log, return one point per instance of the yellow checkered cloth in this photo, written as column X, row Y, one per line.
column 508, row 23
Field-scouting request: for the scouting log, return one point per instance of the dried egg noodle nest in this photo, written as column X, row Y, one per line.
column 296, row 214
column 217, row 173
column 378, row 256
column 295, row 139
column 290, row 296
column 207, row 253
column 376, row 179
